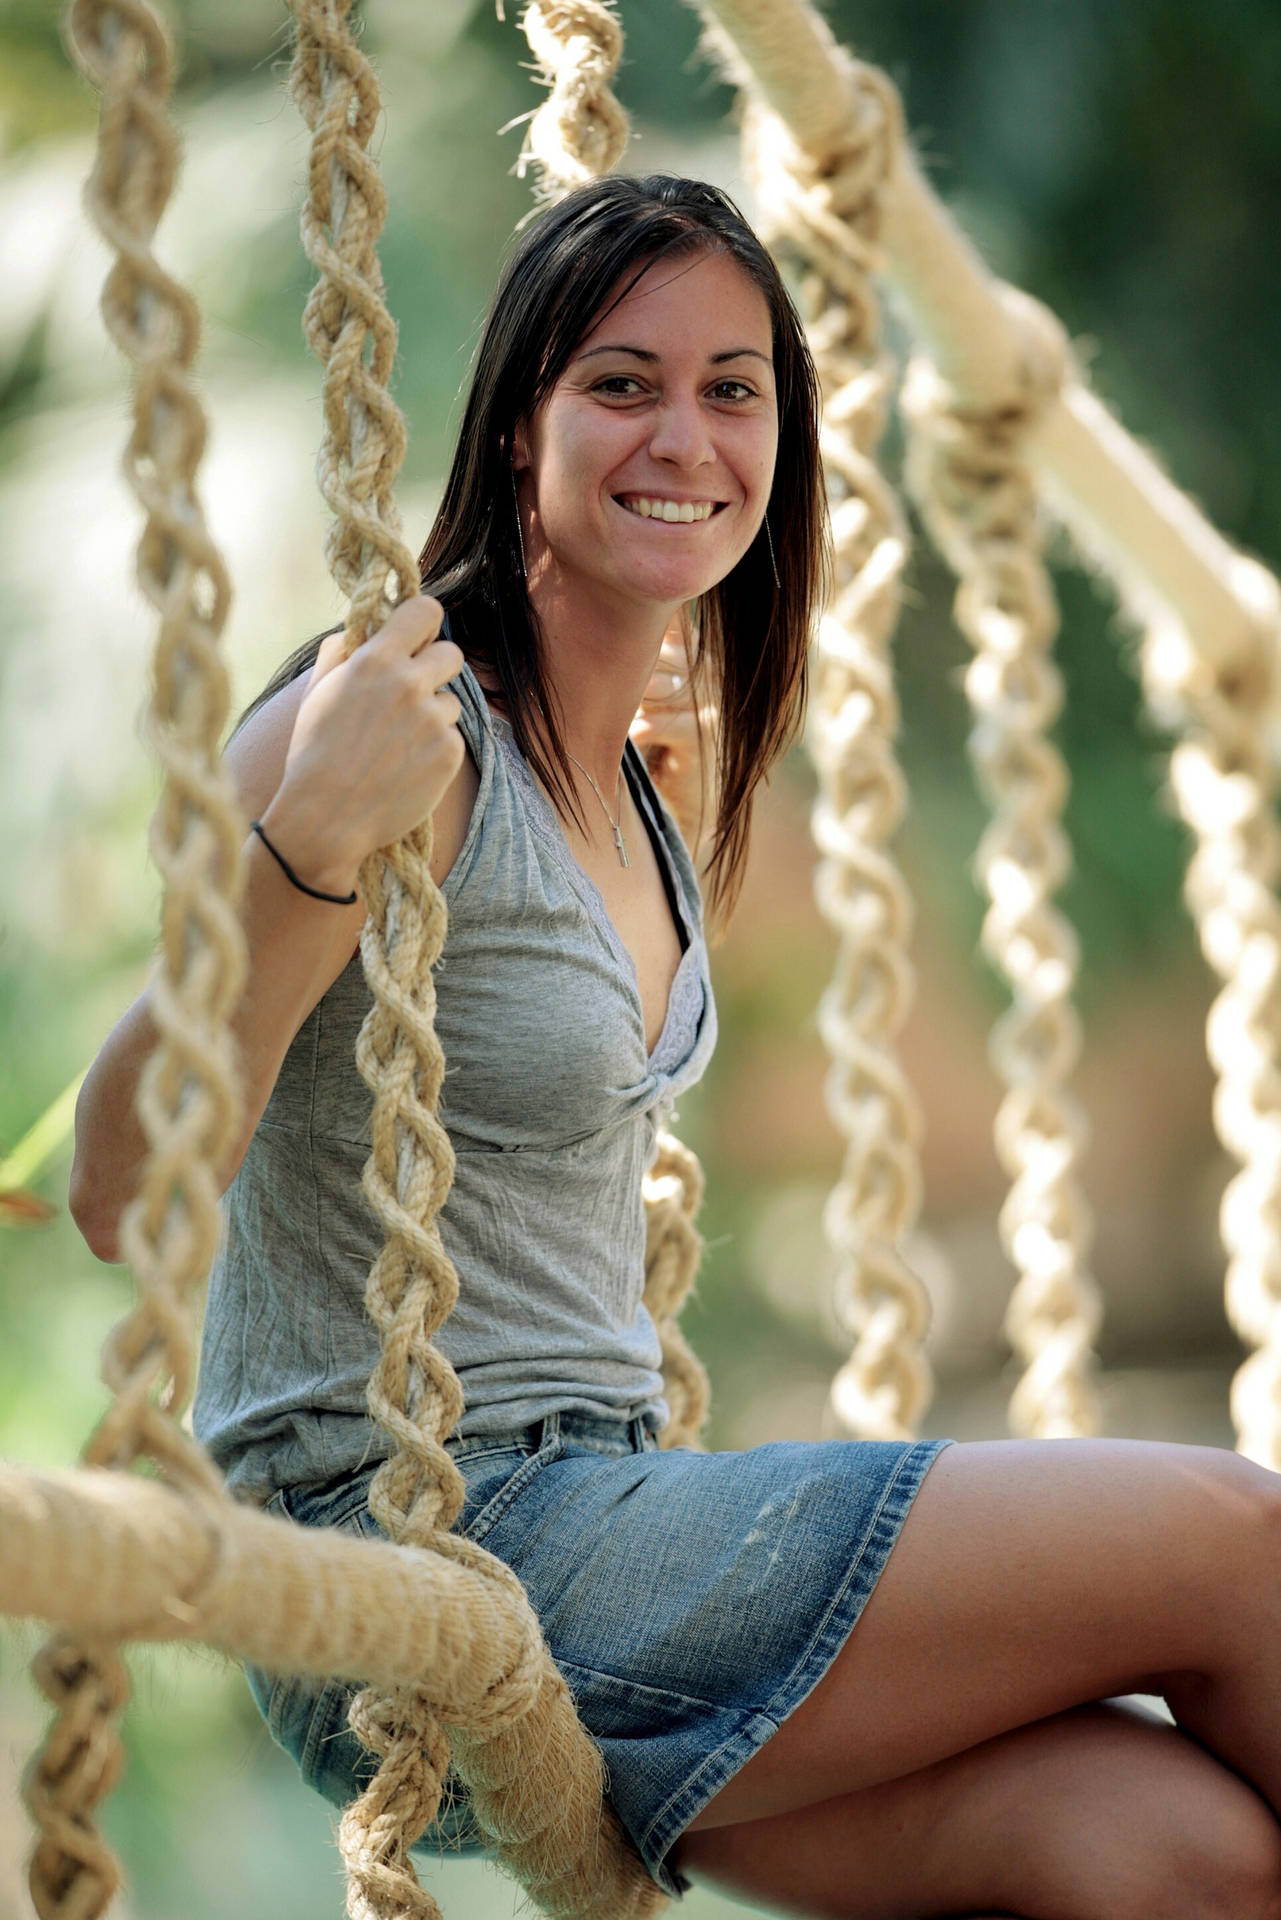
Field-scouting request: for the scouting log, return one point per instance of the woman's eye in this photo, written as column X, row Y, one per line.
column 734, row 390
column 621, row 384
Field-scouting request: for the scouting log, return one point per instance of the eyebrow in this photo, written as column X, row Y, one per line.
column 644, row 353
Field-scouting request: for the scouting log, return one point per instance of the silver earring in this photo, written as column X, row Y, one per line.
column 520, row 538
column 769, row 541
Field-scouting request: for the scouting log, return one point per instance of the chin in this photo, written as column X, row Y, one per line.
column 686, row 583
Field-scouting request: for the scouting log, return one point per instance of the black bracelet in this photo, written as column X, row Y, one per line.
column 334, row 899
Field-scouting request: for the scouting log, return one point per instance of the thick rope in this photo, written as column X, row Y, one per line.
column 126, row 1558
column 673, row 1190
column 188, row 1100
column 535, row 1779
column 580, row 131
column 968, row 470
column 1224, row 776
column 827, row 213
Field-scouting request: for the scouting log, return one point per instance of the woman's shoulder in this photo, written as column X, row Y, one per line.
column 453, row 817
column 255, row 755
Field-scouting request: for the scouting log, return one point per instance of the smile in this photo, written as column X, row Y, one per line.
column 671, row 510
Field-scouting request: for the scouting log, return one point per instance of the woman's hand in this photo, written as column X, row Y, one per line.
column 678, row 739
column 375, row 744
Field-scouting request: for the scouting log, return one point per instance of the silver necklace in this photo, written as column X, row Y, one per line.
column 616, row 826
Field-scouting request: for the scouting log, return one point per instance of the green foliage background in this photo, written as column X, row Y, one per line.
column 1122, row 163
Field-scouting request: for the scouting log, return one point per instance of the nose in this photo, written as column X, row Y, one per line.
column 682, row 433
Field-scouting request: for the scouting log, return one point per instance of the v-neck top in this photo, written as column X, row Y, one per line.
column 552, row 1101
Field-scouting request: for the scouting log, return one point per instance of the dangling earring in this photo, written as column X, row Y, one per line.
column 769, row 541
column 520, row 538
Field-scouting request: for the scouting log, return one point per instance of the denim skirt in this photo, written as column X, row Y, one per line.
column 691, row 1600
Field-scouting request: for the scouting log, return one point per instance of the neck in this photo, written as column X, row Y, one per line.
column 599, row 660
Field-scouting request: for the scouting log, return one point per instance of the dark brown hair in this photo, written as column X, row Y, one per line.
column 750, row 632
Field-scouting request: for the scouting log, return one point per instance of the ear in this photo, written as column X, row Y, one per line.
column 520, row 447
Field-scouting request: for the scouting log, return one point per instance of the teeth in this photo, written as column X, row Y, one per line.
column 669, row 509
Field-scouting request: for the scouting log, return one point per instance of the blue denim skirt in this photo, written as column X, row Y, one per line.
column 691, row 1600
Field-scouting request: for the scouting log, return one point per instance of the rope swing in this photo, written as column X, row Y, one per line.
column 1002, row 430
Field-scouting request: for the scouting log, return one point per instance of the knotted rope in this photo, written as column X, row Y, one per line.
column 968, row 470
column 536, row 1780
column 580, row 131
column 188, row 1101
column 825, row 208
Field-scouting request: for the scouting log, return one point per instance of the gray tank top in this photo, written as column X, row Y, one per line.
column 552, row 1103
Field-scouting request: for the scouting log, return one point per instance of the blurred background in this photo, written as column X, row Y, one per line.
column 1123, row 164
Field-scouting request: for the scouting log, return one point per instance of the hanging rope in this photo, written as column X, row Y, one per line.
column 580, row 131
column 825, row 209
column 535, row 1779
column 673, row 1190
column 968, row 470
column 188, row 1097
column 1224, row 777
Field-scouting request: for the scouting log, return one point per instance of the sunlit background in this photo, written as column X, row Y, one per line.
column 1124, row 164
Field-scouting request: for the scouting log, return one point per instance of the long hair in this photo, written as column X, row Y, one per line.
column 750, row 632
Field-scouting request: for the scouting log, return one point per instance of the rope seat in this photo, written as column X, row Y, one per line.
column 438, row 1630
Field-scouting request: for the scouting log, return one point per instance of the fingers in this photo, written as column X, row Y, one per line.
column 412, row 625
column 406, row 645
column 333, row 651
column 409, row 633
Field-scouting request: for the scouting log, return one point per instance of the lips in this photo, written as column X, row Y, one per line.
column 673, row 512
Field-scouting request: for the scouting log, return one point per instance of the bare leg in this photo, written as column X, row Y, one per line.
column 1091, row 1815
column 1035, row 1576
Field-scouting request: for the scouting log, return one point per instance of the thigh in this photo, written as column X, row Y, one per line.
column 1029, row 1577
column 1096, row 1814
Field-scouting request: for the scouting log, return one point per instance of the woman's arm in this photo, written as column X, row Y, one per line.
column 335, row 766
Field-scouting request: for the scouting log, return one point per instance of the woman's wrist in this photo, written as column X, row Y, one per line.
column 308, row 850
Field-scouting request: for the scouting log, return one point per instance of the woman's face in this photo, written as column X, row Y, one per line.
column 646, row 470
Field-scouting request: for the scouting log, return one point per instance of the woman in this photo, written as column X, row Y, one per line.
column 837, row 1678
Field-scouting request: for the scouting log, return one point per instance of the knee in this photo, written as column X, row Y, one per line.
column 1243, row 1539
column 1230, row 1869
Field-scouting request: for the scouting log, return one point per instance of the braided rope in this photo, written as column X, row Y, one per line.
column 1224, row 776
column 968, row 470
column 188, row 1097
column 536, row 1780
column 580, row 131
column 826, row 210
column 673, row 1190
